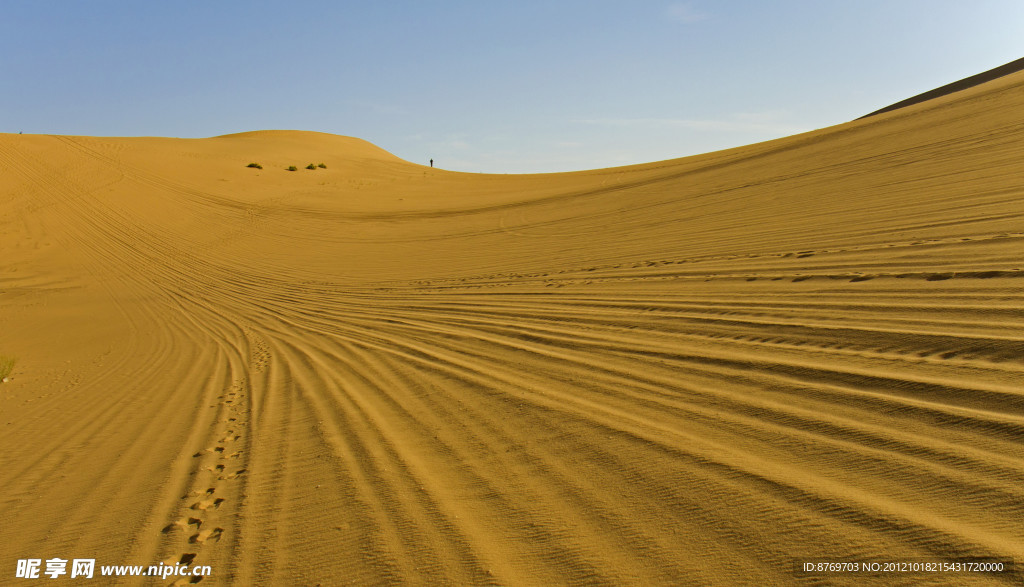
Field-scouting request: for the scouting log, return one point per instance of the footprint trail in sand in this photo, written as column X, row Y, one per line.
column 695, row 371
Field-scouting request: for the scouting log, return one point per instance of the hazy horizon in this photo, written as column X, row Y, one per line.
column 501, row 87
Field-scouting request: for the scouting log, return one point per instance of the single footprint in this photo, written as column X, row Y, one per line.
column 213, row 534
column 183, row 523
column 207, row 504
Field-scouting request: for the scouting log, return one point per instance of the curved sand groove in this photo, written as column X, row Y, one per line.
column 701, row 371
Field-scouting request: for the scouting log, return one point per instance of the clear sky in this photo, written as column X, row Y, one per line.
column 505, row 86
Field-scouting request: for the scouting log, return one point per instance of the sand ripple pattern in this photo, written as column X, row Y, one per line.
column 694, row 372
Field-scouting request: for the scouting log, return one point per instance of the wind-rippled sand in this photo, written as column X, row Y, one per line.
column 698, row 371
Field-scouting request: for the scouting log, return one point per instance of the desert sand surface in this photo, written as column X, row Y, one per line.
column 697, row 371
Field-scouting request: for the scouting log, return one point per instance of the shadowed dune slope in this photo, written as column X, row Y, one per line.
column 967, row 82
column 697, row 371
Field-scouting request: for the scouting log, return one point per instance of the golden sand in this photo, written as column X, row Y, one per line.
column 698, row 371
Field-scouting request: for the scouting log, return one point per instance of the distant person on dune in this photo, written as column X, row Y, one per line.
column 431, row 162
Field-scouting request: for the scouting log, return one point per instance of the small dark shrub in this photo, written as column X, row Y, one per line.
column 256, row 165
column 322, row 166
column 311, row 166
column 292, row 168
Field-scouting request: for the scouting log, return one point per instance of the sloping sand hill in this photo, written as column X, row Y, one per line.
column 699, row 371
column 968, row 82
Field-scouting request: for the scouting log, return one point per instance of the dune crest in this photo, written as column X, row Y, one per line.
column 337, row 144
column 696, row 371
column 959, row 85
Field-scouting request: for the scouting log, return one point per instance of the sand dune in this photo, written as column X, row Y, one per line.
column 968, row 82
column 698, row 371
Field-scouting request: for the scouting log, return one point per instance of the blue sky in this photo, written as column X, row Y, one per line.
column 488, row 85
